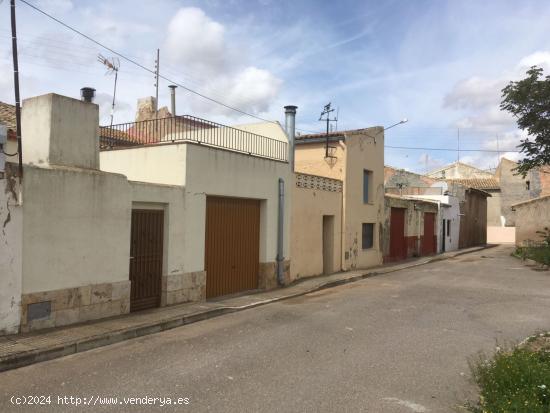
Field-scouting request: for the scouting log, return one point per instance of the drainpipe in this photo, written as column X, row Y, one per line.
column 173, row 99
column 290, row 127
column 280, row 229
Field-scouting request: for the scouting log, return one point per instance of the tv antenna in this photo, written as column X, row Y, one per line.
column 112, row 67
column 325, row 117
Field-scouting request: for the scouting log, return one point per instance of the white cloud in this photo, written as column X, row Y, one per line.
column 195, row 41
column 196, row 48
column 474, row 93
column 541, row 58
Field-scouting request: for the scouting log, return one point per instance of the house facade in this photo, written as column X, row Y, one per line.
column 356, row 158
column 91, row 235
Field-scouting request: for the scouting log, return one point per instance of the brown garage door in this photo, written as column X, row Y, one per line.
column 398, row 249
column 146, row 258
column 232, row 250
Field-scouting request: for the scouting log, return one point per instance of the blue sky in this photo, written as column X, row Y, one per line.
column 441, row 64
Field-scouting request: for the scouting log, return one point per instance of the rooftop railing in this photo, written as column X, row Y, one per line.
column 191, row 129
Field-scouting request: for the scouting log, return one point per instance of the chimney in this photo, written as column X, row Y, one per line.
column 290, row 127
column 173, row 99
column 87, row 94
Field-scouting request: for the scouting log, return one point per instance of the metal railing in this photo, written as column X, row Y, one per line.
column 191, row 129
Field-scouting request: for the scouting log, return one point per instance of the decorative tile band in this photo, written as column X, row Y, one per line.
column 318, row 182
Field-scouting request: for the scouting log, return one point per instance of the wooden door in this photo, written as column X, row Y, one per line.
column 146, row 256
column 328, row 244
column 429, row 243
column 398, row 248
column 232, row 250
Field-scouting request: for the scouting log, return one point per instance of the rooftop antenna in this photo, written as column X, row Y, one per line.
column 327, row 110
column 112, row 67
column 157, row 68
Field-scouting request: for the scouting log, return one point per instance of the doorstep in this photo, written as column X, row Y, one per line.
column 20, row 350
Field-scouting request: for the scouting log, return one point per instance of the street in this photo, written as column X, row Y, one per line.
column 398, row 342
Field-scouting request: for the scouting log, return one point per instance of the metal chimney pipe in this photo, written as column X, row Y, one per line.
column 87, row 94
column 173, row 99
column 290, row 127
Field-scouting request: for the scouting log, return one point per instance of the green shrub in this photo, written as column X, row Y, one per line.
column 515, row 381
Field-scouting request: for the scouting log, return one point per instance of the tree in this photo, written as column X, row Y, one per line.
column 529, row 101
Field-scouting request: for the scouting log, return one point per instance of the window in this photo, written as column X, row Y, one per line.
column 448, row 227
column 527, row 185
column 367, row 186
column 368, row 236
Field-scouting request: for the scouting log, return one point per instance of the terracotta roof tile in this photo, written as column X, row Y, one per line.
column 478, row 183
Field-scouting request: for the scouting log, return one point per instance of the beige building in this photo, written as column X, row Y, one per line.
column 356, row 158
column 91, row 235
column 532, row 216
column 316, row 232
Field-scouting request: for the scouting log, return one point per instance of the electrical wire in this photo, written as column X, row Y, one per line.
column 447, row 149
column 134, row 62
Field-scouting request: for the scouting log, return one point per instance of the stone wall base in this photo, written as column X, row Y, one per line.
column 267, row 278
column 56, row 308
column 183, row 288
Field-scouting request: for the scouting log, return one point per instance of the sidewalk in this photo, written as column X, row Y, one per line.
column 24, row 349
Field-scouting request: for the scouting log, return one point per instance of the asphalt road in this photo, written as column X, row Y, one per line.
column 393, row 343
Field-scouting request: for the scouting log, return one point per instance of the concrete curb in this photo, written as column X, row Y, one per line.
column 26, row 358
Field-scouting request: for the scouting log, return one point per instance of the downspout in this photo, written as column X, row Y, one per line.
column 280, row 229
column 290, row 128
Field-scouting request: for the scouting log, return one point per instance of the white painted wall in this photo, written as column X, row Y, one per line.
column 449, row 209
column 60, row 131
column 11, row 244
column 160, row 164
column 76, row 228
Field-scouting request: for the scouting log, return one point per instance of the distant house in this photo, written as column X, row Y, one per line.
column 515, row 188
column 461, row 210
column 458, row 170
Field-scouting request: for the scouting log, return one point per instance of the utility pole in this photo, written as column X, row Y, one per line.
column 112, row 67
column 16, row 88
column 157, row 69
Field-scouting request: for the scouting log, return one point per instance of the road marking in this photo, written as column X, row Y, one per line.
column 415, row 407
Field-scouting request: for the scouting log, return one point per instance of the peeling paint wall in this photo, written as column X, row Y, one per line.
column 11, row 245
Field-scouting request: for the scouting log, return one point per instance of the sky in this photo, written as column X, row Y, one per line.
column 440, row 64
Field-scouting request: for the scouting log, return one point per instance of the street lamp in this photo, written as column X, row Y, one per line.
column 404, row 120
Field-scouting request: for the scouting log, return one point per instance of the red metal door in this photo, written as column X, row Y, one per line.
column 428, row 244
column 146, row 258
column 398, row 249
column 232, row 250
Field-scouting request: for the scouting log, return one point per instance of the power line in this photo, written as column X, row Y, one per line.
column 134, row 62
column 446, row 149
